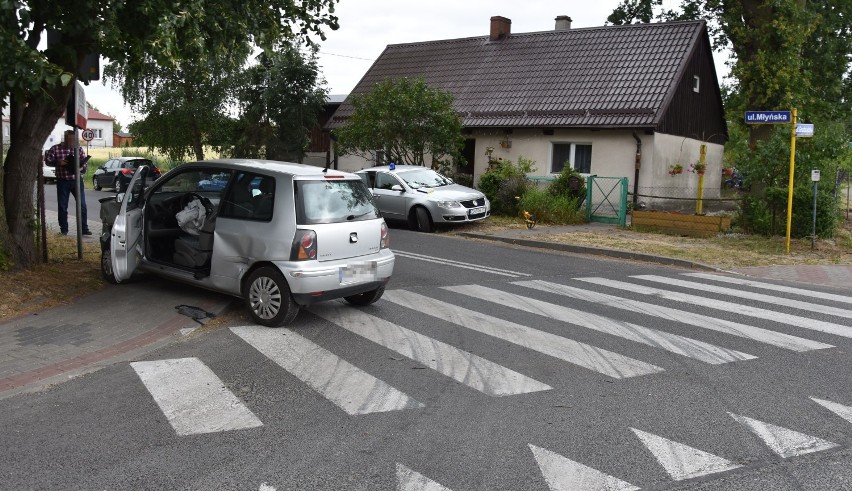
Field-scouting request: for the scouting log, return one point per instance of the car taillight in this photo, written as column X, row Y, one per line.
column 127, row 171
column 385, row 236
column 304, row 246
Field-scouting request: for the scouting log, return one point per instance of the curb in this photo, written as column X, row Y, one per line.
column 633, row 256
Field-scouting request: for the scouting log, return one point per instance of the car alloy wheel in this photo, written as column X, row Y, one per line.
column 268, row 298
column 95, row 184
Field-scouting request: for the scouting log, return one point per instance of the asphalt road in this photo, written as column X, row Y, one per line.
column 484, row 367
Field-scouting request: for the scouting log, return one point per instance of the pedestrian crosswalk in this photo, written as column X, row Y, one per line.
column 708, row 319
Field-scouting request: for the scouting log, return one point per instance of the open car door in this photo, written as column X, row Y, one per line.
column 126, row 243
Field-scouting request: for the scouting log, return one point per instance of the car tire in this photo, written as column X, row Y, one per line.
column 424, row 221
column 95, row 184
column 106, row 266
column 268, row 299
column 366, row 298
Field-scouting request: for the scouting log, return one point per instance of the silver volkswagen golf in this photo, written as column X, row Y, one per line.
column 422, row 197
column 278, row 235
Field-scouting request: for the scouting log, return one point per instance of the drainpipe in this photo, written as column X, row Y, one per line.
column 638, row 164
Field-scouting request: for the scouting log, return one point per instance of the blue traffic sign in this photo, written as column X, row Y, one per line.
column 767, row 117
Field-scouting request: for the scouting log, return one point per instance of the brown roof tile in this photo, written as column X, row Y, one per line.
column 610, row 76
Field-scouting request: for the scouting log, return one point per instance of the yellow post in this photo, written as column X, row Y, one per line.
column 702, row 159
column 790, row 181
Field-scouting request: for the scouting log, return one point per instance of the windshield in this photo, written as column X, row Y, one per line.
column 426, row 178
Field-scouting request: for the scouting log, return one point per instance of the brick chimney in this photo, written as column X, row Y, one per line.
column 501, row 28
column 563, row 23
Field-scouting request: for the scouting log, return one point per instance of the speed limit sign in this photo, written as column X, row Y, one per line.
column 88, row 135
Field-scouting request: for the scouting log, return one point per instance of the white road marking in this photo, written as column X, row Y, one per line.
column 409, row 480
column 682, row 461
column 564, row 474
column 192, row 397
column 471, row 370
column 771, row 286
column 674, row 343
column 783, row 441
column 728, row 306
column 266, row 487
column 778, row 339
column 758, row 297
column 347, row 386
column 575, row 352
column 459, row 264
column 844, row 412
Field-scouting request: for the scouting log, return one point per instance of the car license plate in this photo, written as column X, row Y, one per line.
column 358, row 273
column 479, row 210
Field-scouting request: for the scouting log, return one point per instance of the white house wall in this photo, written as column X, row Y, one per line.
column 669, row 150
column 105, row 125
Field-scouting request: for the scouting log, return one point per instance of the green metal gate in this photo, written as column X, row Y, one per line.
column 606, row 200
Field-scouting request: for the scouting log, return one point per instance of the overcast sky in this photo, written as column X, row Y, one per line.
column 367, row 26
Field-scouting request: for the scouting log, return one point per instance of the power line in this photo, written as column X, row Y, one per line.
column 346, row 56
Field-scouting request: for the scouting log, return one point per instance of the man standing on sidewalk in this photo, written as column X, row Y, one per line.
column 61, row 156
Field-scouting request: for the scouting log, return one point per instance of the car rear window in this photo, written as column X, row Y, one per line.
column 134, row 164
column 333, row 201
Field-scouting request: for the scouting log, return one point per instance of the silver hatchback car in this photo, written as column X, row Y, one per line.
column 423, row 197
column 278, row 235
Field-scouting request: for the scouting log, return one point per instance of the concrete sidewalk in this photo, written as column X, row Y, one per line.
column 118, row 322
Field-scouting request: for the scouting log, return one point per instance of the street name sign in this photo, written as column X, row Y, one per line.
column 804, row 130
column 767, row 117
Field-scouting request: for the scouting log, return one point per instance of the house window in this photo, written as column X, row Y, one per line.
column 577, row 155
column 696, row 84
column 99, row 135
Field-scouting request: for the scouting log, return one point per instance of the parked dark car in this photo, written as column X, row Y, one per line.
column 117, row 172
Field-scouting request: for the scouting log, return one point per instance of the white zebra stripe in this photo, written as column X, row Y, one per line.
column 564, row 474
column 783, row 441
column 192, row 397
column 728, row 306
column 758, row 297
column 584, row 355
column 674, row 343
column 771, row 286
column 471, row 370
column 347, row 386
column 682, row 461
column 778, row 339
column 409, row 480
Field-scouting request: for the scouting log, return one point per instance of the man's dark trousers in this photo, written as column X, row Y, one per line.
column 64, row 188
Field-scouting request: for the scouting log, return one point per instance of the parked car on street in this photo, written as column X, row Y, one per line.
column 422, row 197
column 49, row 173
column 277, row 234
column 117, row 172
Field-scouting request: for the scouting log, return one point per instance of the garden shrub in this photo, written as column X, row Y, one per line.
column 560, row 187
column 552, row 209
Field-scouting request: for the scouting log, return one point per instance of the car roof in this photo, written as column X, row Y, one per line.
column 125, row 159
column 397, row 168
column 276, row 166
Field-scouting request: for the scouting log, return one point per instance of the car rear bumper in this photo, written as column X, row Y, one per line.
column 325, row 280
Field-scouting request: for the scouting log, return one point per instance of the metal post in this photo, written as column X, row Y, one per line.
column 77, row 181
column 790, row 180
column 702, row 159
column 813, row 235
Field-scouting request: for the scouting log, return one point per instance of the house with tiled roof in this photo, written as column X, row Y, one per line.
column 98, row 122
column 623, row 101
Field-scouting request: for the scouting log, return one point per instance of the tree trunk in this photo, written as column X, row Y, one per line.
column 36, row 120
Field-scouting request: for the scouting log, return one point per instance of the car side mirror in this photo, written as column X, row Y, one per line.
column 397, row 187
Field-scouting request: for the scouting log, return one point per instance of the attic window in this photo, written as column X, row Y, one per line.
column 696, row 84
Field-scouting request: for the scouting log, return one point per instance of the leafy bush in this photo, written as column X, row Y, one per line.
column 552, row 208
column 560, row 186
column 501, row 171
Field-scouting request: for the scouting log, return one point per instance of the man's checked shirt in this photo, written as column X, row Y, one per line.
column 57, row 153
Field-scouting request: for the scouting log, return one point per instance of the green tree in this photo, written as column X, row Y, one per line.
column 405, row 118
column 184, row 107
column 131, row 34
column 280, row 99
